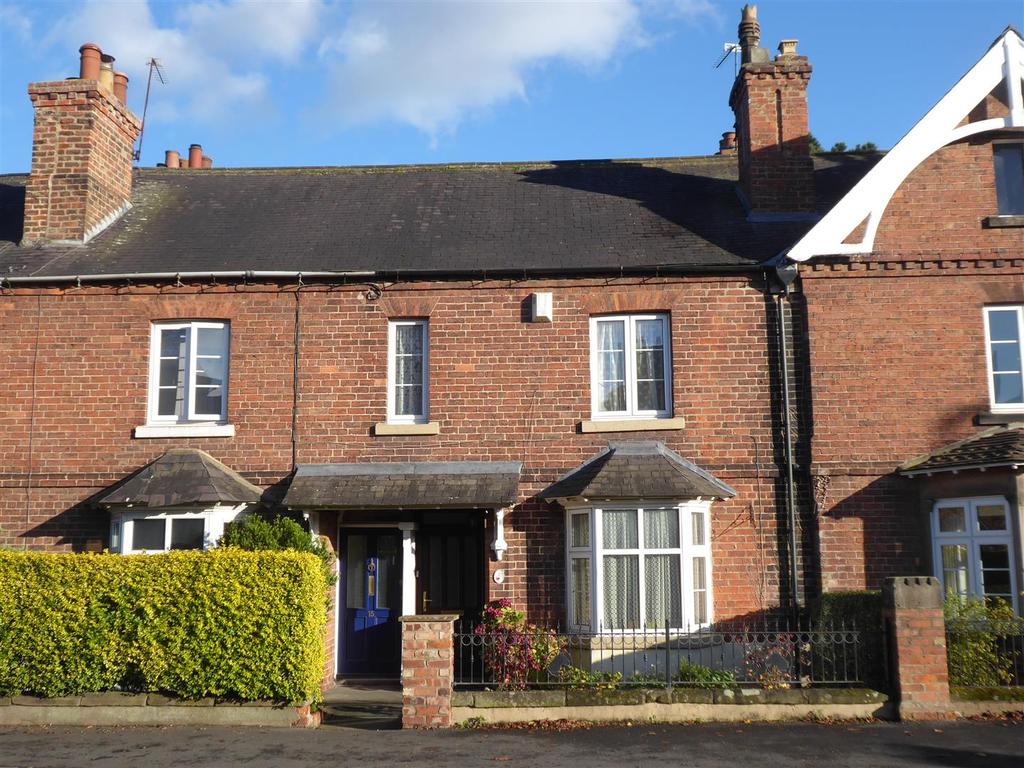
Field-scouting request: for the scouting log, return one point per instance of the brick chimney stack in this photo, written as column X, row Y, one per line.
column 81, row 177
column 769, row 99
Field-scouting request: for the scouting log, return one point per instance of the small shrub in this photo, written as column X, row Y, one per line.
column 515, row 652
column 255, row 533
column 647, row 679
column 703, row 677
column 973, row 630
column 576, row 678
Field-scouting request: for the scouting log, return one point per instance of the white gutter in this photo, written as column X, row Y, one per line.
column 246, row 274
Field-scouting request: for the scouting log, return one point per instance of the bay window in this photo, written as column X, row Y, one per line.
column 631, row 366
column 973, row 549
column 137, row 531
column 638, row 567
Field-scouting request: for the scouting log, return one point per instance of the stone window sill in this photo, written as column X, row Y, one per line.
column 185, row 430
column 633, row 425
column 429, row 428
column 997, row 222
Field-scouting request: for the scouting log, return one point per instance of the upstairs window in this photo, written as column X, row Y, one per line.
column 407, row 372
column 188, row 378
column 1003, row 342
column 631, row 367
column 1009, row 167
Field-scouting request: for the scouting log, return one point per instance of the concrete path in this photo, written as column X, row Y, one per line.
column 885, row 745
column 370, row 706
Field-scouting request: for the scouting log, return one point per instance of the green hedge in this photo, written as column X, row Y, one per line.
column 224, row 623
column 861, row 609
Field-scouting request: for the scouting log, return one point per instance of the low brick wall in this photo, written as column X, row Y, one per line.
column 428, row 670
column 670, row 705
column 113, row 708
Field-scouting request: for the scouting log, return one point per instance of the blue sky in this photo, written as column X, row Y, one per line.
column 345, row 83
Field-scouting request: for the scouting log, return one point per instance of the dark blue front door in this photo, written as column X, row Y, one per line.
column 372, row 567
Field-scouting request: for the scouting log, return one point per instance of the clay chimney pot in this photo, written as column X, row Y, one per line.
column 195, row 156
column 787, row 48
column 89, row 63
column 107, row 73
column 207, row 162
column 171, row 158
column 121, row 87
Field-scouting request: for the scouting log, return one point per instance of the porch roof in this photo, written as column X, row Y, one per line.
column 1001, row 446
column 483, row 484
column 638, row 469
column 183, row 476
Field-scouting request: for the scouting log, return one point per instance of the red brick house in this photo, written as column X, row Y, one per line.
column 585, row 386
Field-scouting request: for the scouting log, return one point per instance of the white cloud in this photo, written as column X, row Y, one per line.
column 214, row 52
column 429, row 65
column 14, row 19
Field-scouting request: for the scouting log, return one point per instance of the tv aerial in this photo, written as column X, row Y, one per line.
column 154, row 66
column 734, row 50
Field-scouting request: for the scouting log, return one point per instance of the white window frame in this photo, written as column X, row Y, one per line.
column 687, row 552
column 973, row 538
column 189, row 416
column 1003, row 407
column 424, row 416
column 122, row 525
column 631, row 411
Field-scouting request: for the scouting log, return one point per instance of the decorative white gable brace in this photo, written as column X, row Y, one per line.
column 1004, row 61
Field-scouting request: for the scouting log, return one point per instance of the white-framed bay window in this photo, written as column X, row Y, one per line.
column 144, row 530
column 638, row 567
column 1003, row 351
column 972, row 548
column 408, row 374
column 631, row 366
column 188, row 373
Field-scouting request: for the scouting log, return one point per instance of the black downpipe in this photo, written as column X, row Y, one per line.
column 788, row 429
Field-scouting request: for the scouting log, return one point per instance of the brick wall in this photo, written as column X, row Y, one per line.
column 501, row 389
column 897, row 359
column 428, row 670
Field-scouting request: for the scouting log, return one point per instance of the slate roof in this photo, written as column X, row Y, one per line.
column 638, row 469
column 996, row 447
column 484, row 484
column 506, row 218
column 183, row 476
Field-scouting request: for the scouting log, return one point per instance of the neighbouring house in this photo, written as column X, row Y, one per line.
column 623, row 394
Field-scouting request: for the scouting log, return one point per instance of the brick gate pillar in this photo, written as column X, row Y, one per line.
column 917, row 644
column 428, row 670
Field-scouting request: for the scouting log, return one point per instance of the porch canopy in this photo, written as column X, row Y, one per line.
column 405, row 485
column 1001, row 446
column 183, row 476
column 638, row 469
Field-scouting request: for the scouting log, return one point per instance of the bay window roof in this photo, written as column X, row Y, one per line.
column 183, row 476
column 995, row 447
column 638, row 469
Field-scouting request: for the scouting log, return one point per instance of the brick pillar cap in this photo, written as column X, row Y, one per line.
column 912, row 592
column 430, row 617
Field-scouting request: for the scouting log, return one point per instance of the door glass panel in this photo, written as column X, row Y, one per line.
column 952, row 519
column 149, row 534
column 387, row 570
column 187, row 533
column 991, row 517
column 619, row 529
column 355, row 571
column 661, row 528
column 954, row 569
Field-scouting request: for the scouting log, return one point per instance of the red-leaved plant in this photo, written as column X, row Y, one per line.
column 514, row 652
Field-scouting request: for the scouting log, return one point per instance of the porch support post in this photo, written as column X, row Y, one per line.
column 408, row 568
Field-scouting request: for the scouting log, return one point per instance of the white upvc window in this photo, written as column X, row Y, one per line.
column 188, row 373
column 1008, row 159
column 637, row 568
column 973, row 548
column 1003, row 339
column 408, row 375
column 630, row 366
column 140, row 531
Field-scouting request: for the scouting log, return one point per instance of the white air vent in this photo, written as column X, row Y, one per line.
column 542, row 305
